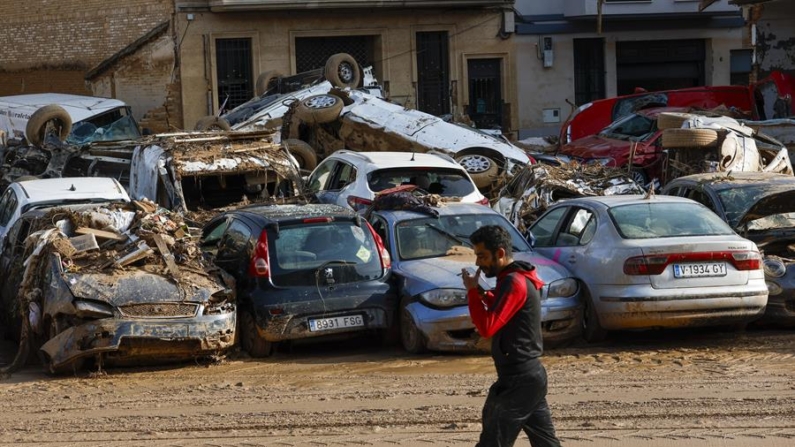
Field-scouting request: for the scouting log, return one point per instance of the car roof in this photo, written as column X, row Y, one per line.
column 623, row 199
column 450, row 209
column 726, row 180
column 79, row 107
column 283, row 213
column 41, row 190
column 386, row 160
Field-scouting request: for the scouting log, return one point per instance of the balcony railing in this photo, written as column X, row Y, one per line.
column 615, row 8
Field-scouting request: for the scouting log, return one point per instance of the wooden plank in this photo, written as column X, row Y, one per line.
column 167, row 255
column 101, row 234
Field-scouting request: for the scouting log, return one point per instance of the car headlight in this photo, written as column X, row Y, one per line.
column 562, row 288
column 92, row 309
column 774, row 267
column 445, row 297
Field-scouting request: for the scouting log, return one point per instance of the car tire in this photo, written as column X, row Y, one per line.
column 212, row 123
column 303, row 153
column 411, row 338
column 639, row 176
column 689, row 138
column 672, row 120
column 250, row 340
column 319, row 109
column 37, row 124
column 342, row 71
column 69, row 367
column 481, row 168
column 592, row 330
column 264, row 81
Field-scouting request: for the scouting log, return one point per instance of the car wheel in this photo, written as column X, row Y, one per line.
column 341, row 70
column 212, row 123
column 410, row 336
column 319, row 109
column 252, row 342
column 592, row 331
column 689, row 138
column 53, row 329
column 639, row 176
column 303, row 153
column 36, row 129
column 481, row 168
column 264, row 81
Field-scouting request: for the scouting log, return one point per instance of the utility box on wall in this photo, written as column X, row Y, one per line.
column 548, row 56
column 551, row 115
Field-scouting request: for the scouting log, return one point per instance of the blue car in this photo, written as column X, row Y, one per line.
column 302, row 271
column 428, row 253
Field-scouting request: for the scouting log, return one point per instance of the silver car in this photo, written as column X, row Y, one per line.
column 428, row 253
column 649, row 262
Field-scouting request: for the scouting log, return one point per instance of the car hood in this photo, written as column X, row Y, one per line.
column 779, row 203
column 141, row 287
column 422, row 275
column 596, row 146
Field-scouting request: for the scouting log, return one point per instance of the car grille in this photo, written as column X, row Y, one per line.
column 161, row 310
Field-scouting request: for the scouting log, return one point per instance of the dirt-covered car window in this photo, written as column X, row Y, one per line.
column 737, row 201
column 300, row 254
column 445, row 182
column 653, row 220
column 107, row 127
column 632, row 126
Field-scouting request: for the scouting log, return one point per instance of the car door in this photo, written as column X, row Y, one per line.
column 234, row 250
column 11, row 263
column 8, row 208
column 341, row 184
column 318, row 182
column 566, row 235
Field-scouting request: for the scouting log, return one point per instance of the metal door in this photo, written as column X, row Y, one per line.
column 233, row 71
column 485, row 93
column 433, row 73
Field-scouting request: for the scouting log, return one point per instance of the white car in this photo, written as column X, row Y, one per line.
column 352, row 179
column 24, row 196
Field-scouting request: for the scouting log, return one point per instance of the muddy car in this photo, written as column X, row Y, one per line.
column 114, row 283
column 761, row 207
column 429, row 245
column 363, row 122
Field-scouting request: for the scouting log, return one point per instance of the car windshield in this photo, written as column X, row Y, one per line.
column 737, row 201
column 445, row 182
column 312, row 254
column 116, row 125
column 248, row 109
column 432, row 237
column 630, row 127
column 666, row 219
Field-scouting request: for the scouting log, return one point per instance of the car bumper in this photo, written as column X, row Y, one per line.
column 149, row 338
column 642, row 307
column 452, row 329
column 293, row 326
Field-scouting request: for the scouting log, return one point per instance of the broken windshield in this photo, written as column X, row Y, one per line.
column 630, row 127
column 112, row 126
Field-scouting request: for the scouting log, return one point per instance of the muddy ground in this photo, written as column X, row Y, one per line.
column 673, row 388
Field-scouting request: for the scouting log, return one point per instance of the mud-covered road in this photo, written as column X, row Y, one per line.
column 682, row 388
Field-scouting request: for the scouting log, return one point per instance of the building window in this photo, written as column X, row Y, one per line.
column 589, row 70
column 433, row 72
column 312, row 52
column 741, row 66
column 234, row 72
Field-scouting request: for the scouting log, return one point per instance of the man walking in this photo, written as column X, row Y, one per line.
column 511, row 316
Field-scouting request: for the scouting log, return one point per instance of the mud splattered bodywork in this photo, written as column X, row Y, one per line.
column 126, row 293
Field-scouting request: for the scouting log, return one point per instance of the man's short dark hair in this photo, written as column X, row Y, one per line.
column 493, row 237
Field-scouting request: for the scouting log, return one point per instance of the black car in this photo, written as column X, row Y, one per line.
column 302, row 271
column 759, row 206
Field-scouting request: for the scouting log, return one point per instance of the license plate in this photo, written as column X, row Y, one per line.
column 699, row 269
column 325, row 324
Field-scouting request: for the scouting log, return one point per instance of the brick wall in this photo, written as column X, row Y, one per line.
column 48, row 45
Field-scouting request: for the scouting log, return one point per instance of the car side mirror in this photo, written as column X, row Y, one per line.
column 530, row 238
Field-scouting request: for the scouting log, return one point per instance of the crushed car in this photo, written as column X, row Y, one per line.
column 530, row 192
column 114, row 283
column 360, row 121
column 759, row 206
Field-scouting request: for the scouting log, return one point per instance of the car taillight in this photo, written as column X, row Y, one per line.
column 645, row 265
column 358, row 203
column 484, row 201
column 386, row 260
column 747, row 260
column 260, row 265
column 656, row 264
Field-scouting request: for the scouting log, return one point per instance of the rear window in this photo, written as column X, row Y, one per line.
column 655, row 219
column 443, row 181
column 309, row 254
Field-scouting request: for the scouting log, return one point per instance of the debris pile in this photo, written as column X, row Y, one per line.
column 536, row 187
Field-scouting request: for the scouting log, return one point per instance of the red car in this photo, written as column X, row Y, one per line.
column 634, row 133
column 761, row 101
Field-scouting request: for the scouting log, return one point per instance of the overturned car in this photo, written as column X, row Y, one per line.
column 115, row 284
